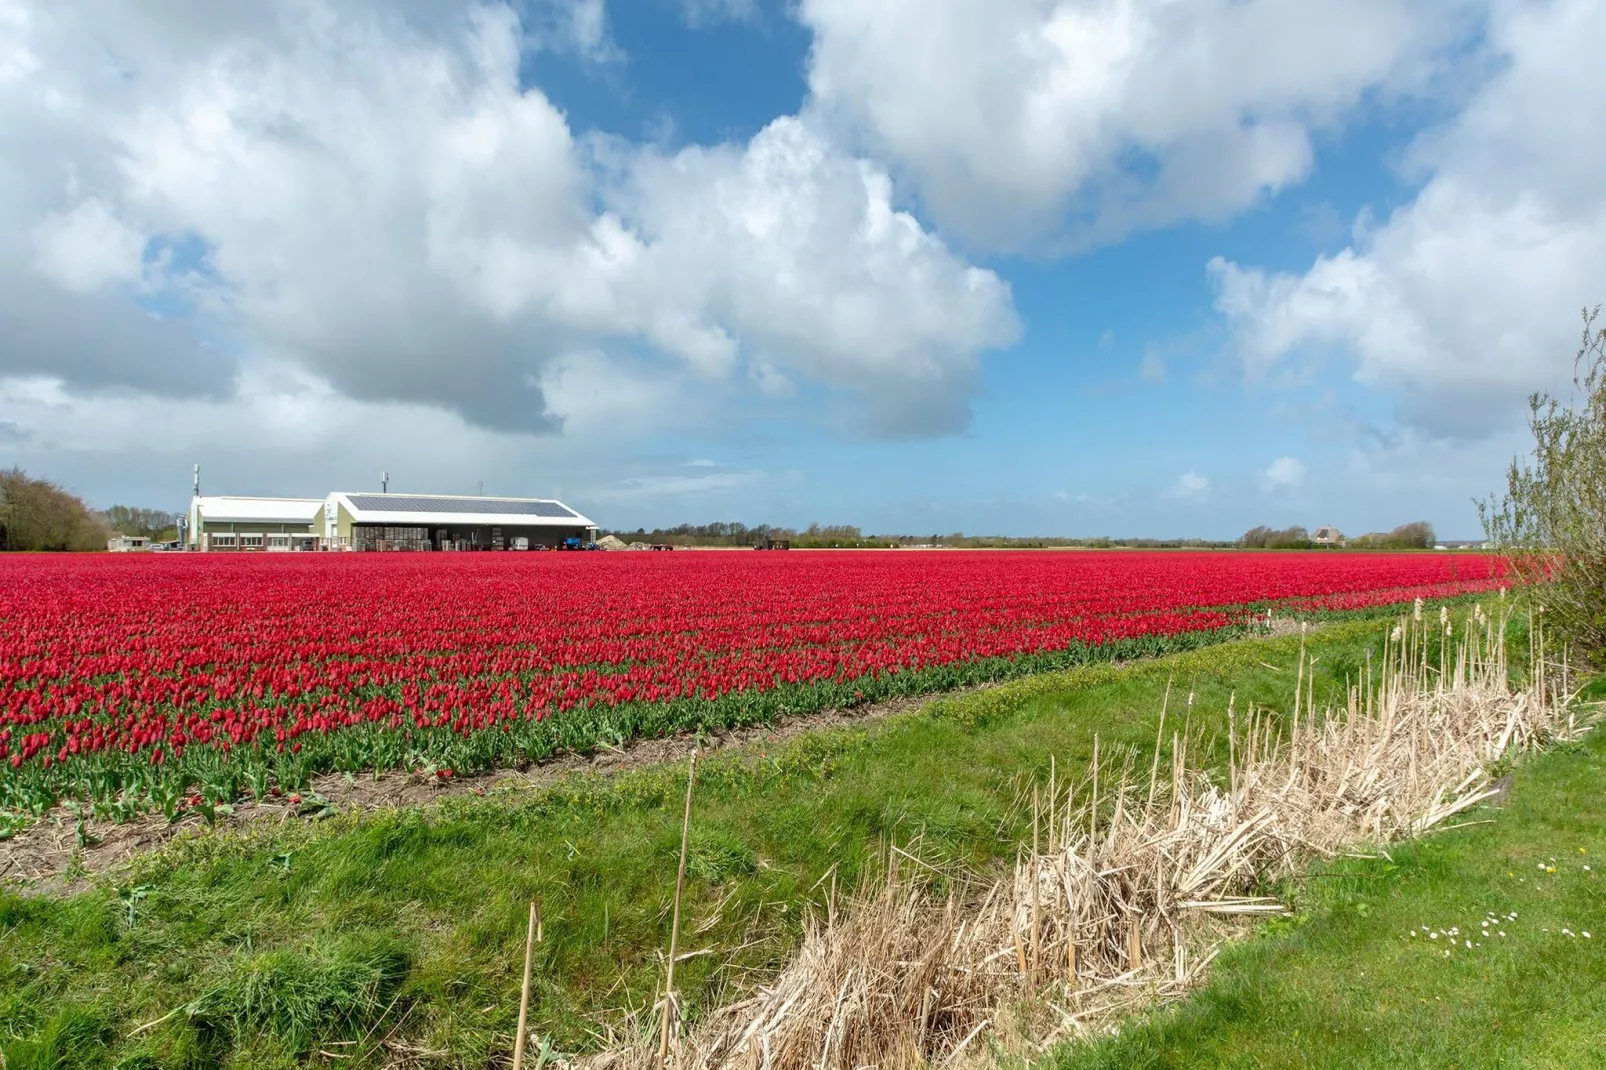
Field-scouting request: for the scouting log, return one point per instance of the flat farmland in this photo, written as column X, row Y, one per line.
column 136, row 681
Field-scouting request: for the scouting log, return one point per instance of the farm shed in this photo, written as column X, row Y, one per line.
column 364, row 521
column 227, row 522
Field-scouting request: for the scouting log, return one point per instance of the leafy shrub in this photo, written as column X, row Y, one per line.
column 1551, row 521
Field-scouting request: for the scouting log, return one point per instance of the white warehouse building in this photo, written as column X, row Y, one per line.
column 350, row 520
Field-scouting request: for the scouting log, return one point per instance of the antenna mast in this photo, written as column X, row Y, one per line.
column 384, row 482
column 197, row 481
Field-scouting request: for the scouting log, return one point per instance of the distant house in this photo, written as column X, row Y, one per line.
column 119, row 544
column 1328, row 536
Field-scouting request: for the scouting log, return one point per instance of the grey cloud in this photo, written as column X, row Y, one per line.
column 95, row 342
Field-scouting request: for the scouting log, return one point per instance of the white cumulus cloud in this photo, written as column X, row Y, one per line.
column 1190, row 486
column 1285, row 473
column 1101, row 116
column 1465, row 299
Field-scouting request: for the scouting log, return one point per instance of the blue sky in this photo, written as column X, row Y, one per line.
column 1069, row 267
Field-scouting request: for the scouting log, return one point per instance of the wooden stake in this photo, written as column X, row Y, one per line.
column 1020, row 939
column 674, row 925
column 1134, row 945
column 1232, row 756
column 1093, row 810
column 830, row 904
column 1299, row 684
column 531, row 938
column 1036, row 955
column 1053, row 789
column 1072, row 956
column 1159, row 738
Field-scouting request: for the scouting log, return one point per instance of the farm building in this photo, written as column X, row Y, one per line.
column 1328, row 536
column 226, row 522
column 383, row 521
column 362, row 521
column 351, row 520
column 122, row 544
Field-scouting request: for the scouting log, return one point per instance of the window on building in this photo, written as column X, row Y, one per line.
column 250, row 542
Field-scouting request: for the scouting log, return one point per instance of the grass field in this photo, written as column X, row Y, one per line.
column 365, row 938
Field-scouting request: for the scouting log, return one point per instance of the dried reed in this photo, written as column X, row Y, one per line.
column 1123, row 896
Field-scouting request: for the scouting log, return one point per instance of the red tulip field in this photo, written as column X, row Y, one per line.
column 137, row 681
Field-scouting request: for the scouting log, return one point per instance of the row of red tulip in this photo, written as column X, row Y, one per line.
column 153, row 655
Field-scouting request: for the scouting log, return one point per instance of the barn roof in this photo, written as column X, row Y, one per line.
column 449, row 509
column 228, row 508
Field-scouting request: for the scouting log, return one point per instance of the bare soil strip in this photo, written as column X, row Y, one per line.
column 47, row 857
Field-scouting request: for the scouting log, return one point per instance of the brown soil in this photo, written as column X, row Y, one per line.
column 46, row 858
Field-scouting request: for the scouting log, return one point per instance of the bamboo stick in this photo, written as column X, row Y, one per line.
column 1093, row 810
column 1036, row 913
column 1232, row 756
column 531, row 937
column 1159, row 738
column 674, row 925
column 1053, row 788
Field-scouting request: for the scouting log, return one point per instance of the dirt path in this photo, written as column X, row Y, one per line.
column 47, row 858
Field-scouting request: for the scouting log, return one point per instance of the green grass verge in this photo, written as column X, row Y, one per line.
column 1343, row 984
column 263, row 948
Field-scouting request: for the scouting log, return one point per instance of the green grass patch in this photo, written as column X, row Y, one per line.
column 1344, row 984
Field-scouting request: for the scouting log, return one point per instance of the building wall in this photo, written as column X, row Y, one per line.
column 473, row 536
column 258, row 527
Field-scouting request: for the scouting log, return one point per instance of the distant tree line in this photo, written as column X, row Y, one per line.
column 155, row 524
column 1414, row 536
column 736, row 534
column 38, row 515
column 848, row 536
column 1264, row 538
column 1417, row 535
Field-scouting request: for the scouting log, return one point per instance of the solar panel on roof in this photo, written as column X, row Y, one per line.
column 401, row 503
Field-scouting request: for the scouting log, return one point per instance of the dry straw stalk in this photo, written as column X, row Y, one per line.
column 1127, row 893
